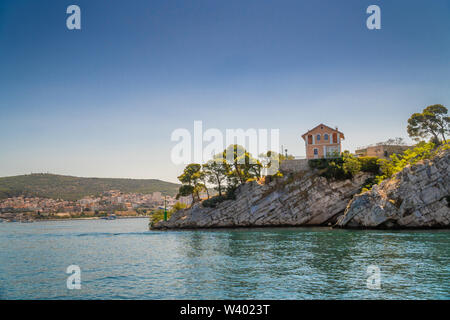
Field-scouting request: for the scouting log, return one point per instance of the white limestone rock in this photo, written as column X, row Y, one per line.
column 307, row 200
column 416, row 197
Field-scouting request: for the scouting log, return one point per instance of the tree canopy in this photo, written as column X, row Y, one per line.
column 432, row 121
column 228, row 169
column 190, row 178
column 216, row 172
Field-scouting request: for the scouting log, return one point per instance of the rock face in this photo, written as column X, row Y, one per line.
column 306, row 200
column 416, row 197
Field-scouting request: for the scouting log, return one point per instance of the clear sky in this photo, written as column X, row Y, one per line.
column 103, row 101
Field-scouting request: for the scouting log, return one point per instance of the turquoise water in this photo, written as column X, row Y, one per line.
column 121, row 259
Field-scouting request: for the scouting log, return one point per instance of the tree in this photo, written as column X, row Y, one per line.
column 216, row 172
column 186, row 190
column 438, row 114
column 398, row 141
column 244, row 165
column 351, row 165
column 204, row 179
column 190, row 178
column 190, row 174
column 432, row 121
column 225, row 173
column 200, row 187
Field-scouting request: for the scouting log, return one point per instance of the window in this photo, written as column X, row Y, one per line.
column 325, row 137
column 334, row 137
column 318, row 137
column 316, row 152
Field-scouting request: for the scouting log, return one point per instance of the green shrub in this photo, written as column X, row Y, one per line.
column 213, row 202
column 368, row 184
column 319, row 163
column 336, row 170
column 351, row 165
column 369, row 164
column 396, row 163
column 341, row 168
column 230, row 194
column 158, row 215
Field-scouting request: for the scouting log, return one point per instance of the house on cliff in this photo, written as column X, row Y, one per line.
column 320, row 142
column 323, row 142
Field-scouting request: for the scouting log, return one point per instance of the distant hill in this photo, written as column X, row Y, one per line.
column 74, row 188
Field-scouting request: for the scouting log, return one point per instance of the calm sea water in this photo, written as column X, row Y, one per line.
column 121, row 259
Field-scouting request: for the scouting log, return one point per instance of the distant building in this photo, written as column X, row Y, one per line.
column 157, row 196
column 322, row 142
column 383, row 151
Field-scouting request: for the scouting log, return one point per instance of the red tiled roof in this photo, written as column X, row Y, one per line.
column 324, row 125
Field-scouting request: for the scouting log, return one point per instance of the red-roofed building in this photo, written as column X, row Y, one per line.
column 323, row 142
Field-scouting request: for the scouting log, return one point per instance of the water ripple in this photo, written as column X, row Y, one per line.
column 124, row 260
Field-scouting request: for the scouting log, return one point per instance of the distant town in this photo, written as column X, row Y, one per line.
column 109, row 203
column 321, row 142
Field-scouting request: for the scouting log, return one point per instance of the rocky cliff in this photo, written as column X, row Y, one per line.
column 416, row 197
column 301, row 200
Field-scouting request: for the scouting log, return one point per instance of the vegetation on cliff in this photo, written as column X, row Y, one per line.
column 236, row 166
column 158, row 215
column 396, row 163
column 432, row 121
column 226, row 171
column 415, row 196
column 345, row 166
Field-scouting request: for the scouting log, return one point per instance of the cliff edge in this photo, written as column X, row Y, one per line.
column 305, row 199
column 416, row 197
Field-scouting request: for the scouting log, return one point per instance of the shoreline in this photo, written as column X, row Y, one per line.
column 261, row 227
column 94, row 218
column 87, row 218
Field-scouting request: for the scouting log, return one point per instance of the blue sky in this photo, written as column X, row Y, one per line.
column 103, row 101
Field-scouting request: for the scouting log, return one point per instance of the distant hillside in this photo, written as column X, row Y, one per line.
column 73, row 188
